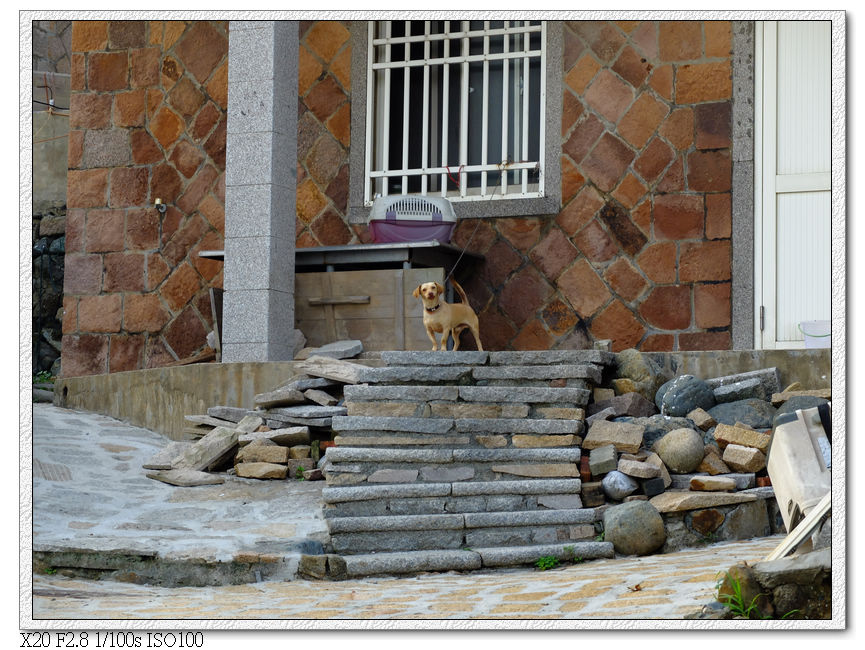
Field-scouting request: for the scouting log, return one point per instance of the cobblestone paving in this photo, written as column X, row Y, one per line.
column 653, row 587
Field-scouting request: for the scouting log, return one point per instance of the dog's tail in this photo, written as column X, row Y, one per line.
column 460, row 291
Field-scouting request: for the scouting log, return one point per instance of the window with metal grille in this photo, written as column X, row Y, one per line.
column 455, row 109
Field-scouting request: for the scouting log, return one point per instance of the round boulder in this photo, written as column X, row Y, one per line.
column 617, row 485
column 681, row 395
column 638, row 373
column 634, row 528
column 682, row 450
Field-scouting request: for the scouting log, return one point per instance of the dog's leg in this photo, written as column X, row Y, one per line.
column 432, row 337
column 445, row 334
column 477, row 339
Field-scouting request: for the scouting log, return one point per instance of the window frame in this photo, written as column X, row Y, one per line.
column 549, row 203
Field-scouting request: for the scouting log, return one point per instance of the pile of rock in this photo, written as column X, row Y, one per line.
column 282, row 436
column 694, row 449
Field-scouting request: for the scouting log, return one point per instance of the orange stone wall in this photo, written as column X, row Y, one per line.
column 147, row 121
column 641, row 250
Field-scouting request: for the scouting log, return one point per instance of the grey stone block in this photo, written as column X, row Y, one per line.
column 605, row 414
column 745, row 389
column 804, row 569
column 357, row 509
column 230, row 413
column 507, row 425
column 578, row 396
column 530, row 518
column 282, row 420
column 435, row 505
column 550, row 455
column 340, row 349
column 430, row 358
column 603, row 460
column 412, row 562
column 364, row 393
column 466, row 504
column 392, row 523
column 364, row 455
column 307, row 411
column 508, row 536
column 510, row 502
column 413, row 375
column 393, row 476
column 561, row 501
column 546, row 357
column 548, row 486
column 376, row 424
column 546, row 372
column 510, row 556
column 448, row 473
column 377, row 492
column 426, row 540
column 768, row 377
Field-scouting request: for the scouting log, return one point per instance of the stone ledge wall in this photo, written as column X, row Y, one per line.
column 641, row 250
column 147, row 121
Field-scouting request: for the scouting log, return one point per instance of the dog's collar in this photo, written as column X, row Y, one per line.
column 432, row 309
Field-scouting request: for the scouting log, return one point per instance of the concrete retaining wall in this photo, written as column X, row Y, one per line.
column 159, row 398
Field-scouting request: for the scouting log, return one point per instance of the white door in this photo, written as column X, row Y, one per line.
column 792, row 180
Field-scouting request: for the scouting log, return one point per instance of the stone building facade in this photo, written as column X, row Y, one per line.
column 639, row 253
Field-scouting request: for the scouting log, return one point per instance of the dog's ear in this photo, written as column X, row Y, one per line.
column 439, row 288
column 416, row 292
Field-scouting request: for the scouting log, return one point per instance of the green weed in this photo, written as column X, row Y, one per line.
column 547, row 562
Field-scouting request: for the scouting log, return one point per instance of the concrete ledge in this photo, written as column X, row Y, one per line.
column 430, row 358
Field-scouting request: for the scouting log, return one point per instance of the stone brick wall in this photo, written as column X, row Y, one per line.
column 147, row 121
column 641, row 250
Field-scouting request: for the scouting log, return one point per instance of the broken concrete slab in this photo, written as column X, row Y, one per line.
column 249, row 423
column 209, row 420
column 231, row 413
column 320, row 397
column 339, row 349
column 185, row 477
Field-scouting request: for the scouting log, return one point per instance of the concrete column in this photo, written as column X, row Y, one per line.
column 260, row 187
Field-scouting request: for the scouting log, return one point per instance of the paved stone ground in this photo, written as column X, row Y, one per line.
column 654, row 587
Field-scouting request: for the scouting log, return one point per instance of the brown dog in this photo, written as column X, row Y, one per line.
column 446, row 318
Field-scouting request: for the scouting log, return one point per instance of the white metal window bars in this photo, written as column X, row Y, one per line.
column 420, row 74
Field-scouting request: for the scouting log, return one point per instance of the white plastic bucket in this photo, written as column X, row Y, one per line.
column 818, row 333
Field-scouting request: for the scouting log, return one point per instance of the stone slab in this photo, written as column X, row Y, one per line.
column 712, row 484
column 377, row 424
column 545, row 372
column 560, row 501
column 258, row 453
column 306, row 411
column 261, row 470
column 320, row 397
column 209, row 420
column 544, row 470
column 185, row 477
column 804, row 569
column 363, row 393
column 530, row 518
column 625, row 436
column 744, row 459
column 602, row 460
column 411, row 562
column 726, row 434
column 438, row 358
column 396, row 522
column 345, row 372
column 701, row 419
column 413, row 374
column 207, row 450
column 515, row 555
column 249, row 423
column 551, row 486
column 638, row 469
column 363, row 455
column 508, row 425
column 779, row 398
column 448, row 473
column 523, row 441
column 397, row 440
column 578, row 396
column 746, row 389
column 743, row 481
column 680, row 501
column 278, row 397
column 377, row 492
column 769, row 377
column 571, row 455
column 231, row 413
column 339, row 349
column 393, row 476
column 546, row 357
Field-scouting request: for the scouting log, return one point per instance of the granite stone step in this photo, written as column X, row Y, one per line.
column 548, row 357
column 441, row 498
column 521, row 374
column 401, row 563
column 352, row 535
column 356, row 424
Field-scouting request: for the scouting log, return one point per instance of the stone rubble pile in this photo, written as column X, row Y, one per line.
column 282, row 437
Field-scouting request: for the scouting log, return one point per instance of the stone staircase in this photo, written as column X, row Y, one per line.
column 462, row 460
